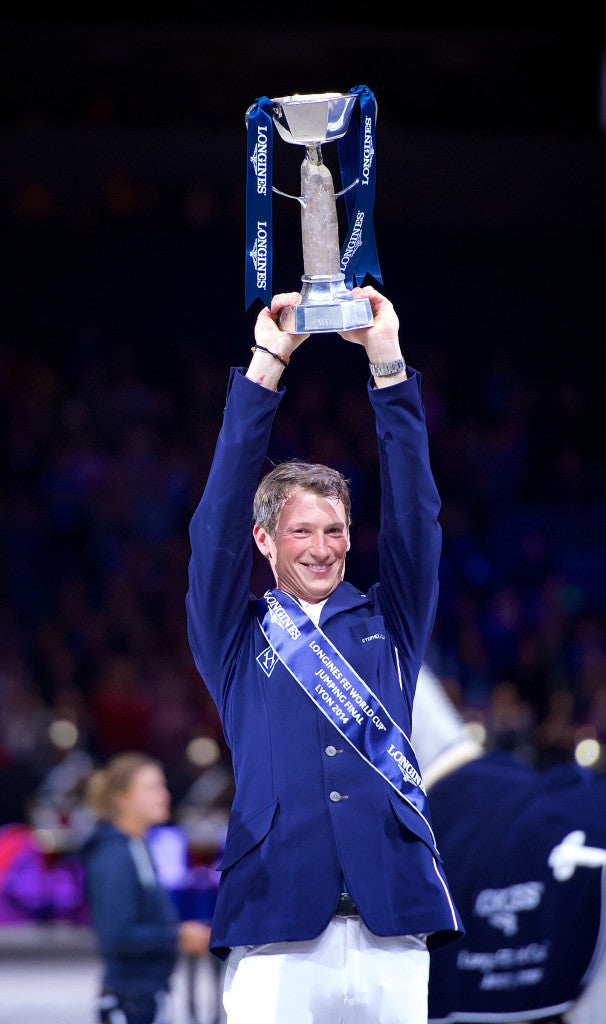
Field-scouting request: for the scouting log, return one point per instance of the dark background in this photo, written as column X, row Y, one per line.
column 490, row 208
column 122, row 169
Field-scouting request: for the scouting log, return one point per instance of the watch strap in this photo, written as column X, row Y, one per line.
column 387, row 369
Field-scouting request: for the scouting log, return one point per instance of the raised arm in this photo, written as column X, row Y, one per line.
column 220, row 530
column 410, row 535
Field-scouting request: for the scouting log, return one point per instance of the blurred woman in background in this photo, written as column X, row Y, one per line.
column 136, row 924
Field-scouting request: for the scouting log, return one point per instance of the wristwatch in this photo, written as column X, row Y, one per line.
column 387, row 369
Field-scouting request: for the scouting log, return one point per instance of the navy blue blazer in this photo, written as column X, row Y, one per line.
column 289, row 846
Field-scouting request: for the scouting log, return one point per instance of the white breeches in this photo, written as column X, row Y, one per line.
column 345, row 976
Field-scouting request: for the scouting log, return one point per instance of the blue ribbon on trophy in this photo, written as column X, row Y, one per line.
column 357, row 161
column 259, row 244
column 330, row 270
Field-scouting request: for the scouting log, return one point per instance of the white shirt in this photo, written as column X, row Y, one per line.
column 313, row 610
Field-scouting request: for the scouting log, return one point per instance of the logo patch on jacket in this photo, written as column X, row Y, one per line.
column 501, row 907
column 267, row 660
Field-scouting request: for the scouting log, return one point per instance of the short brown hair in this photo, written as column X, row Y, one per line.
column 277, row 486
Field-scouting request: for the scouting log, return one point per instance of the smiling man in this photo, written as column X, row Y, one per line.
column 307, row 543
column 332, row 890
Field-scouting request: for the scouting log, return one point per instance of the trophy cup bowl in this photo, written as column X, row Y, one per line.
column 313, row 119
column 326, row 305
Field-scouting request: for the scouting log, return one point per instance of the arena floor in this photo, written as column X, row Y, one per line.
column 46, row 979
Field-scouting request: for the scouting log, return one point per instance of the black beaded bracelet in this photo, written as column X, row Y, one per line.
column 281, row 359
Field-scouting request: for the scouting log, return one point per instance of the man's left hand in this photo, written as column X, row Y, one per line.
column 381, row 341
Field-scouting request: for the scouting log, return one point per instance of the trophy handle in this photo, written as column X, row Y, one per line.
column 287, row 195
column 344, row 190
column 302, row 199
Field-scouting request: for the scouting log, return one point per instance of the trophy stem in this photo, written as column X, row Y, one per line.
column 319, row 224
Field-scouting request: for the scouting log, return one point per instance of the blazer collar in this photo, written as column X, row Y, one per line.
column 342, row 599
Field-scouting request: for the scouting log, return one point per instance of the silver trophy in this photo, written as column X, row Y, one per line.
column 326, row 303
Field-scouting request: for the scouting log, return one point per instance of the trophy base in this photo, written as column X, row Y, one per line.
column 326, row 305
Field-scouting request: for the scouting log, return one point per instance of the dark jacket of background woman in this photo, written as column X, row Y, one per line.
column 133, row 917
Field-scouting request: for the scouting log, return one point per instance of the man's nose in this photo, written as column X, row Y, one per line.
column 319, row 544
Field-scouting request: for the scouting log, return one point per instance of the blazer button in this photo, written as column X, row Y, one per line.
column 331, row 751
column 335, row 797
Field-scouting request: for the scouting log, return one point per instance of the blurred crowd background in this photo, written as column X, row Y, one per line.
column 122, row 212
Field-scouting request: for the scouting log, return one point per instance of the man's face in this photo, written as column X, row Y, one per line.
column 307, row 555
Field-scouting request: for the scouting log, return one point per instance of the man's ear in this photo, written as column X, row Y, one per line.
column 261, row 539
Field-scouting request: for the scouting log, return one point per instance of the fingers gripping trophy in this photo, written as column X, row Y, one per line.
column 329, row 270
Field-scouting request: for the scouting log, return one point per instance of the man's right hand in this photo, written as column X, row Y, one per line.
column 275, row 346
column 267, row 331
